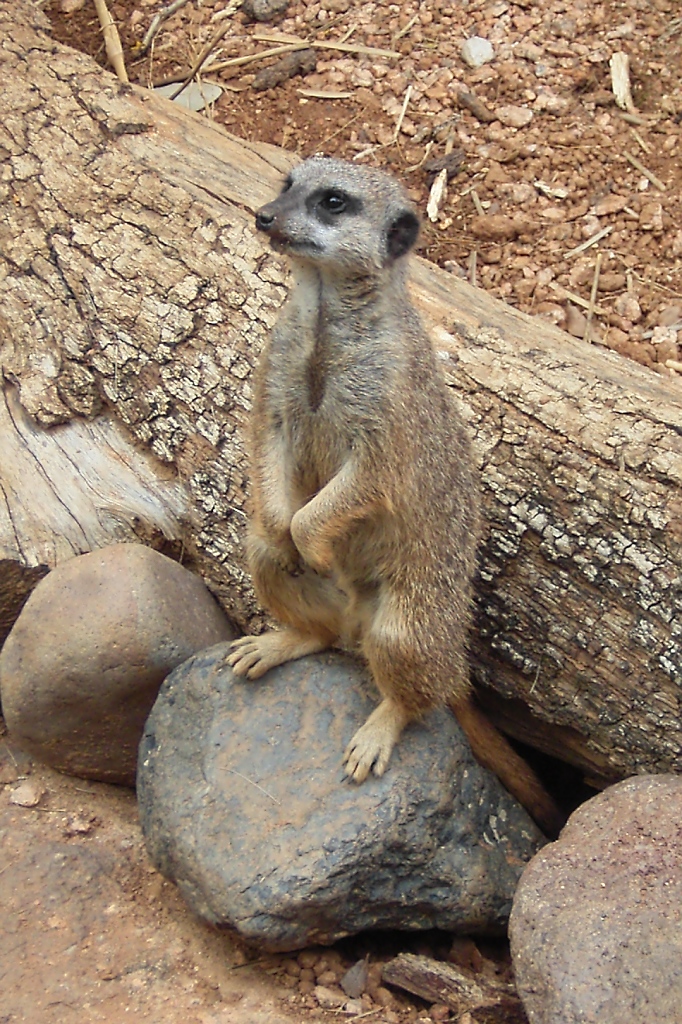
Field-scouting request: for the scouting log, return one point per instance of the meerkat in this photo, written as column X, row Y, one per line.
column 365, row 518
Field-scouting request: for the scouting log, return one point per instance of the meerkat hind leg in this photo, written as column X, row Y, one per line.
column 372, row 744
column 252, row 656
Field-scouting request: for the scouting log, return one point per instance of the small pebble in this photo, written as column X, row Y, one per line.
column 28, row 794
column 477, row 51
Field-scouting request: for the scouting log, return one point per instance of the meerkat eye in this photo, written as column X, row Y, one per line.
column 334, row 202
column 288, row 182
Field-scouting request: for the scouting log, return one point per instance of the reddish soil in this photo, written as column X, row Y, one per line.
column 546, row 169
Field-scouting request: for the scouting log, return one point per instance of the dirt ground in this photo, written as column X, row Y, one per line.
column 91, row 931
column 543, row 165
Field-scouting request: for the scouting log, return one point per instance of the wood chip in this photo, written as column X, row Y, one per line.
column 476, row 107
column 301, row 62
column 440, row 982
column 620, row 81
column 436, row 195
column 450, row 162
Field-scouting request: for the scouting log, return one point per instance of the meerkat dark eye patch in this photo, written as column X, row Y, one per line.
column 402, row 234
column 288, row 182
column 329, row 203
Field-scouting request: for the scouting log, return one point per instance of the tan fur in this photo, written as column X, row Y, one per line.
column 365, row 502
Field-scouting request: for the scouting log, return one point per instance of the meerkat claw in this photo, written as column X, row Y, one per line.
column 246, row 657
column 371, row 746
column 253, row 656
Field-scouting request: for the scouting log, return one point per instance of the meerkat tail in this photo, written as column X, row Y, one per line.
column 492, row 750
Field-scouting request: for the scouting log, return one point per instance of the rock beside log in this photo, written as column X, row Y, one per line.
column 83, row 663
column 243, row 803
column 596, row 925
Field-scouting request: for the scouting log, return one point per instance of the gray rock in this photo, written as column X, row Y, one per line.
column 596, row 927
column 83, row 663
column 264, row 10
column 243, row 803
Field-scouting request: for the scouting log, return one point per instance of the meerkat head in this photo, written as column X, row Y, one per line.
column 333, row 213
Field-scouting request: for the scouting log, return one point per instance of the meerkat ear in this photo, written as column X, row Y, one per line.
column 402, row 234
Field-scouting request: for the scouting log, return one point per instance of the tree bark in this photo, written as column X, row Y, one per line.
column 134, row 299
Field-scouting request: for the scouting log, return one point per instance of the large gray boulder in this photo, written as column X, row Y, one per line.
column 83, row 663
column 243, row 803
column 596, row 927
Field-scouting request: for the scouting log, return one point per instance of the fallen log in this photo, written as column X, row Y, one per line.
column 134, row 298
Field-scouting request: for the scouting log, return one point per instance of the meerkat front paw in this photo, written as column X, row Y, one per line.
column 248, row 656
column 373, row 743
column 252, row 656
column 315, row 554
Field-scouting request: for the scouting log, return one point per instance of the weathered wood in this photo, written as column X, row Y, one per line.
column 439, row 982
column 131, row 282
column 75, row 488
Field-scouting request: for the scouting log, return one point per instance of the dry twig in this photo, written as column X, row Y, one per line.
column 593, row 298
column 590, row 241
column 202, row 58
column 366, row 51
column 112, row 41
column 156, row 24
column 639, row 166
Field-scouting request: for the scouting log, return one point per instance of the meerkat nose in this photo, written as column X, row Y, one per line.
column 264, row 221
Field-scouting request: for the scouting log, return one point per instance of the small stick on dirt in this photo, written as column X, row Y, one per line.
column 477, row 203
column 339, row 130
column 112, row 41
column 593, row 298
column 401, row 115
column 156, row 24
column 320, row 94
column 578, row 300
column 415, row 167
column 590, row 241
column 639, row 166
column 359, row 1016
column 673, row 28
column 647, row 122
column 672, row 364
column 202, row 58
column 366, row 51
column 406, row 29
column 673, row 327
column 640, row 140
column 251, row 58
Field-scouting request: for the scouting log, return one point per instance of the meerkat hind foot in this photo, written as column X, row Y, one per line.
column 372, row 744
column 252, row 656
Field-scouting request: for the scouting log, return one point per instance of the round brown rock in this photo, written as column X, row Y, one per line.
column 596, row 925
column 83, row 663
